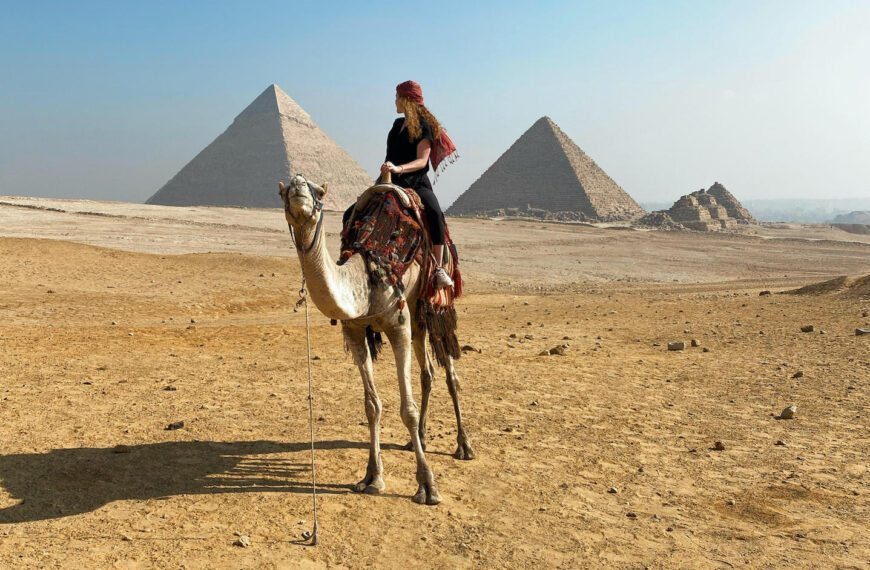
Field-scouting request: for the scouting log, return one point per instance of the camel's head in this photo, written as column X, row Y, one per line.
column 301, row 200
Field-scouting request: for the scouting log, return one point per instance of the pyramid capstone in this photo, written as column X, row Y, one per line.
column 270, row 141
column 544, row 173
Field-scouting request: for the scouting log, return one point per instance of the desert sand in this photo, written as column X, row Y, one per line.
column 119, row 319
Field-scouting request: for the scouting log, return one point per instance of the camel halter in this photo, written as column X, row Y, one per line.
column 303, row 299
column 317, row 209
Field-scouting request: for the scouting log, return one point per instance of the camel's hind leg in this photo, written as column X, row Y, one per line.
column 400, row 340
column 463, row 450
column 427, row 374
column 355, row 337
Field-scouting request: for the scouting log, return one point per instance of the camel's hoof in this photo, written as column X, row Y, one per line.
column 464, row 452
column 427, row 495
column 370, row 486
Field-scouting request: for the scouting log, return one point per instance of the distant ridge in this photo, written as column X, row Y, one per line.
column 855, row 217
column 271, row 140
column 544, row 170
column 806, row 210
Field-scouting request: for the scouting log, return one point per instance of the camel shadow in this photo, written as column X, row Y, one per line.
column 65, row 482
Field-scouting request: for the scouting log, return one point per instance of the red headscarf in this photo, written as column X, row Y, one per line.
column 410, row 90
column 442, row 146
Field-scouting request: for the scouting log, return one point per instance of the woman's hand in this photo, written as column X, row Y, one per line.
column 390, row 167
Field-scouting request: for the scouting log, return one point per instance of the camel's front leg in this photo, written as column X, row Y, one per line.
column 427, row 374
column 400, row 339
column 373, row 482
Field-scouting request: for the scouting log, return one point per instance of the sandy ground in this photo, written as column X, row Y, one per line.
column 123, row 322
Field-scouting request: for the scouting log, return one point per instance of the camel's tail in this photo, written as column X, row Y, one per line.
column 375, row 342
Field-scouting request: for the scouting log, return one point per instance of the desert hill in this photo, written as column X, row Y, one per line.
column 855, row 217
column 852, row 286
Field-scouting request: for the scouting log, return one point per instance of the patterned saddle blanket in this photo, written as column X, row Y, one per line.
column 389, row 229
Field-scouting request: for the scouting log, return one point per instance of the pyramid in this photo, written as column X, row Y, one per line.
column 272, row 140
column 701, row 211
column 544, row 171
column 708, row 210
column 727, row 200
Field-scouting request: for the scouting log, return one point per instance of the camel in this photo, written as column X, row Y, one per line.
column 344, row 293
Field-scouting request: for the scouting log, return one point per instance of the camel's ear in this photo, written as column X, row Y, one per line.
column 281, row 186
column 320, row 190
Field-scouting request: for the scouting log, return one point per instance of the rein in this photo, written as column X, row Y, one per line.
column 303, row 298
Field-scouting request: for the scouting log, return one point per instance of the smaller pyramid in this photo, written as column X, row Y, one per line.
column 546, row 174
column 270, row 141
column 727, row 200
column 701, row 211
column 710, row 210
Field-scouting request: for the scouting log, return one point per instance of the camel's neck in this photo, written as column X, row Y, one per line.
column 340, row 292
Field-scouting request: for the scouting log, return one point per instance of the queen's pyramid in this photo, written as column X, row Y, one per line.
column 272, row 140
column 545, row 170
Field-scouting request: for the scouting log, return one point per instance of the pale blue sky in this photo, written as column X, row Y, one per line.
column 108, row 100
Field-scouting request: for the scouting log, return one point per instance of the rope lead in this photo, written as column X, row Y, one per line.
column 303, row 298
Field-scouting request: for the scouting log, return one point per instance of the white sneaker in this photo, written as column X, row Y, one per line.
column 441, row 278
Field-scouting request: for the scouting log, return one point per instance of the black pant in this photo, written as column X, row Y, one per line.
column 431, row 210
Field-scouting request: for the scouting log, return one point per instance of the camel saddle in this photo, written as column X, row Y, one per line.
column 388, row 228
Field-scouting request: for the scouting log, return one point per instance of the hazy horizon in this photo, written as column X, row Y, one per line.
column 108, row 102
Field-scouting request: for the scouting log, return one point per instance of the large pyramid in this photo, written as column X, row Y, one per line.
column 545, row 171
column 270, row 141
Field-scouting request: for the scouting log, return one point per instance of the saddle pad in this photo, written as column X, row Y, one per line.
column 390, row 237
column 387, row 235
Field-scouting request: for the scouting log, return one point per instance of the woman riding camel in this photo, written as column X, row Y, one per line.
column 414, row 141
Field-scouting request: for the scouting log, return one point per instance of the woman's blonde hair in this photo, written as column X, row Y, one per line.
column 413, row 112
